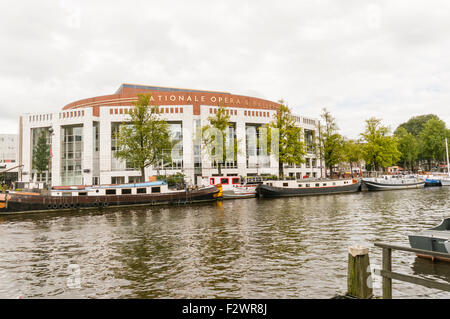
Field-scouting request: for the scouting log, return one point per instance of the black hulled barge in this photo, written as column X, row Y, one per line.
column 289, row 188
column 84, row 197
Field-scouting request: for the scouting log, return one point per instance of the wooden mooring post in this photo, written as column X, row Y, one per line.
column 359, row 280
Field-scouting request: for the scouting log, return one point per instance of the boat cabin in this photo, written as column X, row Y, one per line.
column 310, row 183
column 122, row 189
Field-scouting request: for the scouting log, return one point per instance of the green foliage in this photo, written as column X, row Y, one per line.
column 172, row 180
column 353, row 151
column 219, row 151
column 331, row 146
column 432, row 140
column 416, row 124
column 380, row 150
column 41, row 154
column 141, row 142
column 408, row 146
column 291, row 148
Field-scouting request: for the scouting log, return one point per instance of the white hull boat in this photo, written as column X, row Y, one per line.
column 394, row 182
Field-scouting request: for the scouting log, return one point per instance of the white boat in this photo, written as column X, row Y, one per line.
column 393, row 182
column 232, row 186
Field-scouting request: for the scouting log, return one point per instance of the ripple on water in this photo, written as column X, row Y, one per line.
column 280, row 248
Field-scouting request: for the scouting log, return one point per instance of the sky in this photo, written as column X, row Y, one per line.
column 358, row 59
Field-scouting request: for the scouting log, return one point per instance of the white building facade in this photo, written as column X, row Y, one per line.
column 82, row 137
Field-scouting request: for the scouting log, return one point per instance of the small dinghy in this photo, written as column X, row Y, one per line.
column 434, row 239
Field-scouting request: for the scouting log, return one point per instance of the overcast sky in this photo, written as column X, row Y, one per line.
column 388, row 59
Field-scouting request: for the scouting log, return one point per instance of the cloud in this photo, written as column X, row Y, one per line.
column 359, row 59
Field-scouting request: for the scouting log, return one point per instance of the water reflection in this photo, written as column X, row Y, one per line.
column 278, row 248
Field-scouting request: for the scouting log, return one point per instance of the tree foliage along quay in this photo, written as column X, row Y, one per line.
column 408, row 146
column 381, row 149
column 331, row 143
column 219, row 145
column 41, row 154
column 143, row 141
column 353, row 153
column 291, row 148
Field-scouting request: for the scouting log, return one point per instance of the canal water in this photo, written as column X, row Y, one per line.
column 252, row 248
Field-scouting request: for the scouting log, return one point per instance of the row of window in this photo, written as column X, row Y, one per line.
column 41, row 117
column 127, row 191
column 71, row 114
column 160, row 110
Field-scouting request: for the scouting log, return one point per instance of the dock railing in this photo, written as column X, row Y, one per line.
column 387, row 273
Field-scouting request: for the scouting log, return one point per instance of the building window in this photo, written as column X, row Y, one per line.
column 71, row 155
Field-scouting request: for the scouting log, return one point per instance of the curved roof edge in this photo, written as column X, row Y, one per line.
column 126, row 94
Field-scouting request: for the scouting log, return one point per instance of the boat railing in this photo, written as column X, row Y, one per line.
column 387, row 274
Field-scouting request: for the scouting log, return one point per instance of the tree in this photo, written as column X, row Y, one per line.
column 216, row 139
column 291, row 149
column 353, row 153
column 380, row 149
column 416, row 124
column 432, row 140
column 41, row 154
column 331, row 143
column 408, row 146
column 141, row 141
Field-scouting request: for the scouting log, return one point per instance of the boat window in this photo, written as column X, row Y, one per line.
column 211, row 181
column 126, row 191
column 317, row 184
column 236, row 181
column 110, row 192
column 67, row 194
column 299, row 185
column 141, row 191
column 156, row 189
column 307, row 185
column 224, row 180
column 285, row 184
column 324, row 184
column 82, row 194
column 334, row 183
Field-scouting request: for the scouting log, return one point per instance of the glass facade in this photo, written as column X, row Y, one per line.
column 71, row 155
column 255, row 158
column 176, row 132
column 309, row 140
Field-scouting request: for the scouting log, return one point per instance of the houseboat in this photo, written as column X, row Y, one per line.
column 82, row 197
column 309, row 187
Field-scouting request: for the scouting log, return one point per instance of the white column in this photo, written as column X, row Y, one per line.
column 56, row 151
column 188, row 145
column 242, row 145
column 88, row 148
column 105, row 146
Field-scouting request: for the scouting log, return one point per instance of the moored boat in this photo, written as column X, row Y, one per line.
column 303, row 188
column 393, row 182
column 432, row 182
column 435, row 239
column 66, row 198
column 232, row 186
